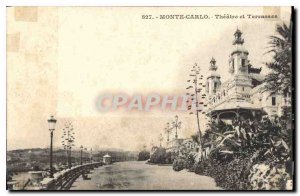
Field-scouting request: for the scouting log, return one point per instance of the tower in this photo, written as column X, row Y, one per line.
column 238, row 59
column 240, row 84
column 213, row 81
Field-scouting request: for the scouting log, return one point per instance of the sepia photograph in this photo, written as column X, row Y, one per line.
column 150, row 98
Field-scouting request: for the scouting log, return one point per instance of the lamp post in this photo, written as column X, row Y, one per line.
column 176, row 125
column 168, row 130
column 91, row 155
column 51, row 123
column 81, row 149
column 160, row 138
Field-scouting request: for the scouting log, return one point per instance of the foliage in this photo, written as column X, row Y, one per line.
column 268, row 177
column 279, row 80
column 185, row 158
column 179, row 164
column 36, row 168
column 184, row 162
column 161, row 156
column 9, row 175
column 143, row 155
column 230, row 175
column 236, row 147
column 262, row 140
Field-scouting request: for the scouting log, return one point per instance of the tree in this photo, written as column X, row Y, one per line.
column 143, row 155
column 280, row 78
column 161, row 156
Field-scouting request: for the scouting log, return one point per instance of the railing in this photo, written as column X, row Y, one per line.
column 63, row 180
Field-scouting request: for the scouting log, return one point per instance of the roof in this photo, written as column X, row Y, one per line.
column 238, row 31
column 107, row 156
column 236, row 105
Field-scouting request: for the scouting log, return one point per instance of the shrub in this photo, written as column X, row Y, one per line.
column 232, row 175
column 190, row 161
column 179, row 164
column 161, row 156
column 184, row 162
column 268, row 177
column 143, row 155
column 243, row 144
column 203, row 167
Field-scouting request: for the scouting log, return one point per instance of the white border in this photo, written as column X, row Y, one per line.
column 4, row 3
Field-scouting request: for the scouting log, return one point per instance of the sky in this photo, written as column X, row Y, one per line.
column 60, row 60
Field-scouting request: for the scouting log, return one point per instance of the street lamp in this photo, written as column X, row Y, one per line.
column 168, row 130
column 81, row 149
column 177, row 125
column 91, row 155
column 51, row 123
column 160, row 138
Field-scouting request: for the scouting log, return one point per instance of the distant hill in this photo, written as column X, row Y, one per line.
column 27, row 159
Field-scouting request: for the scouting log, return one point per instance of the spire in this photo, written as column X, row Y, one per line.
column 238, row 37
column 213, row 64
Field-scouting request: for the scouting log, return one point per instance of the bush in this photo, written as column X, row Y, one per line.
column 203, row 168
column 143, row 155
column 179, row 164
column 243, row 144
column 184, row 162
column 161, row 156
column 232, row 175
column 268, row 177
column 190, row 161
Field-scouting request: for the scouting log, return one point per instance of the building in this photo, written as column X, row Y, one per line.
column 107, row 159
column 176, row 144
column 242, row 96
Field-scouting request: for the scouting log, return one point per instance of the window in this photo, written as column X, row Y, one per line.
column 273, row 101
column 243, row 62
column 233, row 64
column 243, row 88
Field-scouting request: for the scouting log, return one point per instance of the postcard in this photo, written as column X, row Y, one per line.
column 150, row 98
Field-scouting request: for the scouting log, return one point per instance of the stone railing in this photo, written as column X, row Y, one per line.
column 63, row 180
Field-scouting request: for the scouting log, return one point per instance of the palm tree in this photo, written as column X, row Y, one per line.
column 279, row 80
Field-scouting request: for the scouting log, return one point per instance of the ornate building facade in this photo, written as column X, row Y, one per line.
column 242, row 95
